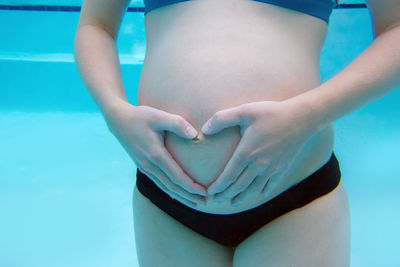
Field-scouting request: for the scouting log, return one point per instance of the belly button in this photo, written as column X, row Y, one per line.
column 198, row 138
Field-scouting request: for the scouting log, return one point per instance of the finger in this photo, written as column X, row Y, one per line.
column 173, row 196
column 235, row 166
column 177, row 190
column 225, row 180
column 223, row 119
column 164, row 161
column 176, row 124
column 254, row 188
column 271, row 186
column 159, row 178
column 174, row 191
column 245, row 179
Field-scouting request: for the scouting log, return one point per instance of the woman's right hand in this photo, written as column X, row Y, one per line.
column 140, row 130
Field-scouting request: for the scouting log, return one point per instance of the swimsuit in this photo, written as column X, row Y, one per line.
column 231, row 229
column 318, row 8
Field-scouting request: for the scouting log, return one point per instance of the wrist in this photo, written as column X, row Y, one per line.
column 306, row 115
column 113, row 105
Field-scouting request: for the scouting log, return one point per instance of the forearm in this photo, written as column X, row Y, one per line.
column 372, row 75
column 97, row 61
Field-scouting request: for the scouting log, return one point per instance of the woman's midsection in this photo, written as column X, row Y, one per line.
column 194, row 71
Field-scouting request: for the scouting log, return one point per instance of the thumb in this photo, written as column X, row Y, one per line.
column 176, row 124
column 223, row 119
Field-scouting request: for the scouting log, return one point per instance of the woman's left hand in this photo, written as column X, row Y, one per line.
column 272, row 135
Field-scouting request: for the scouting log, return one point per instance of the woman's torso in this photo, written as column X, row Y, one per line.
column 206, row 55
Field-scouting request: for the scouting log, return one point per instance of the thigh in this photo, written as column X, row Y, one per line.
column 315, row 235
column 163, row 241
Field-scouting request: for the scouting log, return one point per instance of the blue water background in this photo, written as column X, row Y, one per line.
column 66, row 183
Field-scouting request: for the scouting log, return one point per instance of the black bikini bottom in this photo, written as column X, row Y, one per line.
column 231, row 229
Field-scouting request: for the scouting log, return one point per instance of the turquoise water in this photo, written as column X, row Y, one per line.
column 66, row 183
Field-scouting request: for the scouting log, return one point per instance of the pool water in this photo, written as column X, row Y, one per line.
column 66, row 183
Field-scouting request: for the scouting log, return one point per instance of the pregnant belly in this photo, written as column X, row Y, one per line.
column 195, row 86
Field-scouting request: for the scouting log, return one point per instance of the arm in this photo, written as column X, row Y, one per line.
column 95, row 51
column 139, row 129
column 372, row 75
column 270, row 143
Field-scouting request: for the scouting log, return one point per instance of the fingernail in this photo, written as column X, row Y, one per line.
column 192, row 133
column 206, row 128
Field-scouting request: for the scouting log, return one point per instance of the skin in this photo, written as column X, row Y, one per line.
column 252, row 100
column 191, row 63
